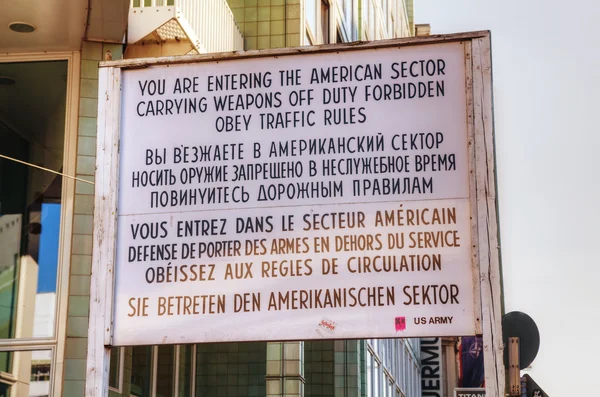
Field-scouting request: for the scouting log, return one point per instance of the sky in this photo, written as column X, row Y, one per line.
column 48, row 255
column 546, row 72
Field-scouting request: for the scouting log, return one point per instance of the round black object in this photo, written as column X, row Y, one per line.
column 518, row 324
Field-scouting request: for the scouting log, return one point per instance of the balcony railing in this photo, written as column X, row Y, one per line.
column 209, row 25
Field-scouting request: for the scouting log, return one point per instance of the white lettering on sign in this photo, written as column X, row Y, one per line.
column 298, row 197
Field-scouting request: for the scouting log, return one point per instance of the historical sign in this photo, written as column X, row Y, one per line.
column 300, row 197
column 344, row 191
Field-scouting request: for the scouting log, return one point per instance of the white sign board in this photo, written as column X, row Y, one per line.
column 298, row 197
column 343, row 191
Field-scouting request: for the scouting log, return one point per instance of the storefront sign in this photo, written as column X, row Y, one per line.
column 469, row 392
column 431, row 367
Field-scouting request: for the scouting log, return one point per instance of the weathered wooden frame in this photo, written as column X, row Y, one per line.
column 105, row 231
column 482, row 180
column 56, row 343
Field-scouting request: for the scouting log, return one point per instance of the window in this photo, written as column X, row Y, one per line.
column 40, row 372
column 416, row 382
column 371, row 20
column 317, row 15
column 186, row 370
column 325, row 22
column 34, row 253
column 391, row 368
column 366, row 15
column 386, row 13
column 32, row 129
column 163, row 371
column 28, row 375
column 377, row 379
column 141, row 371
column 115, row 372
column 310, row 12
column 370, row 372
column 346, row 29
column 308, row 39
column 406, row 365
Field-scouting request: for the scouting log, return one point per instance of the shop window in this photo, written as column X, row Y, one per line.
column 115, row 378
column 32, row 130
column 33, row 248
column 225, row 366
column 163, row 371
column 186, row 370
column 319, row 378
column 325, row 21
column 141, row 371
column 29, row 374
column 391, row 368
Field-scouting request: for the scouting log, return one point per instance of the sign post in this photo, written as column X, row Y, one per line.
column 339, row 192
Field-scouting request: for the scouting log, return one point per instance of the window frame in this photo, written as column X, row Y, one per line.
column 52, row 349
column 176, row 370
column 120, row 371
column 57, row 342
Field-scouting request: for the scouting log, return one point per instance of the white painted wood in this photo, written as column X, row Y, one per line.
column 489, row 254
column 105, row 228
column 472, row 184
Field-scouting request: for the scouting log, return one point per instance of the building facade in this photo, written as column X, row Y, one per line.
column 49, row 55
